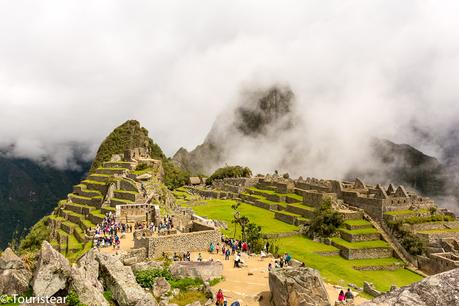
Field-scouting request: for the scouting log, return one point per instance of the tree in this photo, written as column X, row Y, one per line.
column 236, row 216
column 243, row 221
column 229, row 171
column 254, row 237
column 325, row 221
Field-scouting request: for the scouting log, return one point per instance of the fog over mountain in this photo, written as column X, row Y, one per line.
column 358, row 70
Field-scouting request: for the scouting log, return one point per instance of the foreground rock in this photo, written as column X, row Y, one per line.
column 52, row 272
column 120, row 280
column 85, row 280
column 206, row 270
column 14, row 275
column 439, row 290
column 297, row 286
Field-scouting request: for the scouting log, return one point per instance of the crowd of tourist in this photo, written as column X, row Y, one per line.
column 108, row 232
column 167, row 223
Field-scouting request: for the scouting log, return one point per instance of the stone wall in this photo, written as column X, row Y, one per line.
column 430, row 226
column 314, row 198
column 364, row 253
column 285, row 218
column 193, row 242
column 359, row 237
column 429, row 238
column 438, row 263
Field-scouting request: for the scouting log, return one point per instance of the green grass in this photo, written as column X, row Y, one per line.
column 405, row 212
column 79, row 197
column 361, row 245
column 359, row 222
column 261, row 190
column 361, row 231
column 188, row 297
column 299, row 205
column 294, row 196
column 88, row 223
column 123, row 201
column 94, row 182
column 337, row 270
column 73, row 243
column 56, row 217
column 125, row 191
column 221, row 210
column 97, row 213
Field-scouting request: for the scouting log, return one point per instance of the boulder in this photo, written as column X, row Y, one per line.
column 120, row 280
column 14, row 274
column 89, row 294
column 297, row 286
column 88, row 266
column 161, row 287
column 439, row 290
column 146, row 265
column 147, row 300
column 52, row 272
column 206, row 270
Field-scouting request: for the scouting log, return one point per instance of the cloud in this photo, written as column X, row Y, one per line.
column 71, row 71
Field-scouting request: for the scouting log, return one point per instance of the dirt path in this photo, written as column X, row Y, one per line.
column 244, row 284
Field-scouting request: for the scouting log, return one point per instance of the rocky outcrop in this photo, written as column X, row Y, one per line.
column 161, row 287
column 206, row 270
column 439, row 290
column 52, row 272
column 297, row 286
column 120, row 280
column 14, row 275
column 85, row 280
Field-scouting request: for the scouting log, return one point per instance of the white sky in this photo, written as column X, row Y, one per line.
column 71, row 71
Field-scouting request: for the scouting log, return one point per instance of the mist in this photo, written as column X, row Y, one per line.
column 71, row 72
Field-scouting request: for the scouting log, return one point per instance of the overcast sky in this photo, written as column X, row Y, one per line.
column 71, row 71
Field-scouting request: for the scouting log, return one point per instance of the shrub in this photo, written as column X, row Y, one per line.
column 431, row 218
column 412, row 244
column 215, row 281
column 229, row 171
column 253, row 235
column 39, row 232
column 141, row 166
column 325, row 221
column 186, row 283
column 73, row 299
column 147, row 278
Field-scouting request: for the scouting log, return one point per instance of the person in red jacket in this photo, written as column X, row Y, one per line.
column 220, row 298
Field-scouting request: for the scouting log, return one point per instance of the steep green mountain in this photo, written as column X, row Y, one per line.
column 131, row 135
column 28, row 191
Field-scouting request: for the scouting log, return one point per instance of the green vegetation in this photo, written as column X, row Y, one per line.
column 73, row 299
column 325, row 221
column 39, row 232
column 221, row 210
column 188, row 297
column 174, row 176
column 338, row 270
column 360, row 231
column 229, row 171
column 361, row 245
column 129, row 135
column 108, row 295
column 359, row 222
column 412, row 243
column 432, row 218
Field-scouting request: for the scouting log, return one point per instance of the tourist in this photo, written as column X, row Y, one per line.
column 199, row 257
column 211, row 248
column 277, row 264
column 220, row 298
column 244, row 247
column 349, row 296
column 270, row 267
column 217, row 248
column 176, row 257
column 188, row 256
column 287, row 259
column 341, row 296
column 237, row 260
column 302, row 265
column 227, row 254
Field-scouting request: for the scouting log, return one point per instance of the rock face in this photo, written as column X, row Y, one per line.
column 439, row 290
column 14, row 275
column 206, row 270
column 85, row 280
column 297, row 286
column 147, row 265
column 52, row 272
column 120, row 280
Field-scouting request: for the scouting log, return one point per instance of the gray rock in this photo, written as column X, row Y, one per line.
column 161, row 287
column 14, row 275
column 439, row 290
column 147, row 300
column 297, row 286
column 52, row 271
column 89, row 295
column 88, row 266
column 120, row 280
column 146, row 265
column 370, row 289
column 9, row 260
column 205, row 270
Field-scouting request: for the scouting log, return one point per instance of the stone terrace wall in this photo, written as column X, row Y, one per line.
column 195, row 241
column 373, row 207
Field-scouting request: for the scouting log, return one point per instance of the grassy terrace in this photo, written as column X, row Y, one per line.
column 221, row 210
column 360, row 222
column 123, row 201
column 97, row 213
column 291, row 195
column 338, row 270
column 405, row 212
column 125, row 191
column 94, row 182
column 361, row 245
column 299, row 205
column 361, row 231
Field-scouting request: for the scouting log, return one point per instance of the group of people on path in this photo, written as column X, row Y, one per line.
column 107, row 232
column 345, row 298
column 167, row 223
